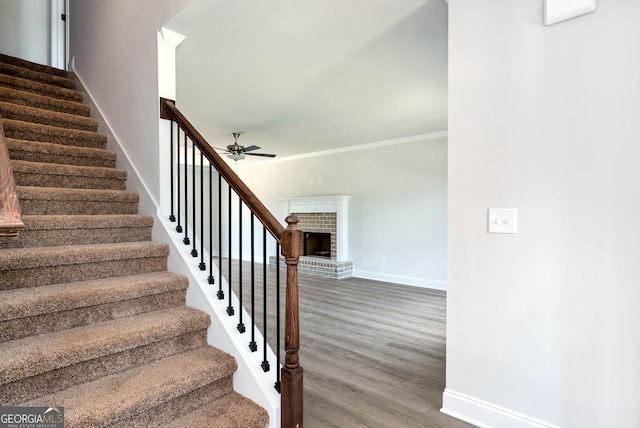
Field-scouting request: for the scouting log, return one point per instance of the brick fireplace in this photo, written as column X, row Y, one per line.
column 324, row 215
column 319, row 223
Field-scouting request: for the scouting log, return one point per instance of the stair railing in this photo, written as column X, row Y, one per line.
column 10, row 219
column 190, row 206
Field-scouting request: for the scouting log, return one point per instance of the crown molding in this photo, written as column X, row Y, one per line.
column 366, row 146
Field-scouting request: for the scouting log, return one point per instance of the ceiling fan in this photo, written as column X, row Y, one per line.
column 238, row 152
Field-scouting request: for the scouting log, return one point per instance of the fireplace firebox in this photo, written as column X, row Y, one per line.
column 317, row 244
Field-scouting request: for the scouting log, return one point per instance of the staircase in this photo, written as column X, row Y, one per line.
column 90, row 319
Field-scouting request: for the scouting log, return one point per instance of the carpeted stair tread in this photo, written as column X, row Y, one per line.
column 36, row 76
column 47, row 383
column 68, row 176
column 7, row 59
column 43, row 200
column 43, row 102
column 52, row 169
column 85, row 195
column 35, row 355
column 40, row 88
column 24, row 258
column 48, row 308
column 62, row 222
column 60, row 153
column 21, row 130
column 32, row 267
column 146, row 389
column 24, row 113
column 29, row 302
column 54, row 230
column 231, row 411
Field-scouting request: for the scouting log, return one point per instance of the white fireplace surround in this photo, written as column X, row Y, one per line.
column 326, row 204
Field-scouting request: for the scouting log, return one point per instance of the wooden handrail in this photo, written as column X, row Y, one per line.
column 10, row 220
column 169, row 111
column 291, row 244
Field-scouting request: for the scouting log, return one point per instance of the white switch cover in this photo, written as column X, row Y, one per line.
column 503, row 220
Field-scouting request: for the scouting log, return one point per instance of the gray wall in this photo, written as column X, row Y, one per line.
column 397, row 207
column 114, row 51
column 25, row 29
column 544, row 323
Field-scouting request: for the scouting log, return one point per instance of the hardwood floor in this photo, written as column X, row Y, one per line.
column 373, row 353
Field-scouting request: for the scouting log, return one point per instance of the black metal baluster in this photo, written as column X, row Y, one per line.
column 178, row 226
column 210, row 278
column 220, row 292
column 194, row 252
column 277, row 384
column 172, row 217
column 265, row 362
column 252, row 345
column 241, row 327
column 185, row 240
column 202, row 265
column 230, row 307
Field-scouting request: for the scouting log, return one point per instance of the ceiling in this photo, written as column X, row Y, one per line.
column 304, row 76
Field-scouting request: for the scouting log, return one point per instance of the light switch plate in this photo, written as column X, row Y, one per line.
column 502, row 220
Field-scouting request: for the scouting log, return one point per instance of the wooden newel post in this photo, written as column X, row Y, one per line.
column 291, row 375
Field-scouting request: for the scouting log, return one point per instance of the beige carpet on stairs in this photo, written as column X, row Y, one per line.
column 90, row 318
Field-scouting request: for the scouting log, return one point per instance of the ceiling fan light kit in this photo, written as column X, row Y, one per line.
column 237, row 152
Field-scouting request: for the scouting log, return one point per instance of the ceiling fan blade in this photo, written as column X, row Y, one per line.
column 268, row 155
column 251, row 148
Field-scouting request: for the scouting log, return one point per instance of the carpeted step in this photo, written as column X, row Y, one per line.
column 46, row 117
column 48, row 308
column 20, row 130
column 59, row 153
column 34, row 66
column 91, row 320
column 32, row 267
column 68, row 176
column 83, row 354
column 40, row 88
column 36, row 76
column 148, row 395
column 52, row 230
column 232, row 410
column 61, row 201
column 47, row 103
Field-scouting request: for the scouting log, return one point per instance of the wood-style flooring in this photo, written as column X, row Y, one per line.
column 373, row 353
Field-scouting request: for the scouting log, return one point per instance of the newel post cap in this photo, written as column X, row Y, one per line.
column 292, row 242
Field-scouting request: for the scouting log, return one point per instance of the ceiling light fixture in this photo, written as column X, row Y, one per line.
column 236, row 156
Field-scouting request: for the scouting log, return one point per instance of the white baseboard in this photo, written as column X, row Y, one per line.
column 486, row 415
column 401, row 279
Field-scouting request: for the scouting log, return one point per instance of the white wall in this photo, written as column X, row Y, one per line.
column 25, row 29
column 397, row 207
column 114, row 51
column 544, row 324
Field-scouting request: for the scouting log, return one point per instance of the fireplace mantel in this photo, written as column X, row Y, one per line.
column 326, row 204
